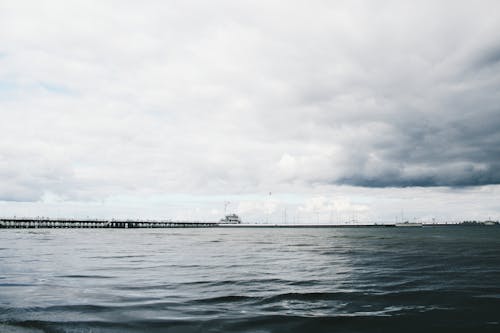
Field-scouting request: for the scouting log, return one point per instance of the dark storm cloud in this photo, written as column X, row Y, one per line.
column 453, row 139
column 438, row 176
column 436, row 125
column 490, row 57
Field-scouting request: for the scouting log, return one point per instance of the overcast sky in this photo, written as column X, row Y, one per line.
column 364, row 110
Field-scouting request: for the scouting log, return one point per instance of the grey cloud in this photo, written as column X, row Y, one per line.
column 28, row 175
column 487, row 58
column 458, row 147
column 445, row 175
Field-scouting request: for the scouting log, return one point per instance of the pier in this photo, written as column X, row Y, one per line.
column 34, row 223
column 51, row 223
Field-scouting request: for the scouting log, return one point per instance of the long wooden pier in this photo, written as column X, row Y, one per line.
column 34, row 223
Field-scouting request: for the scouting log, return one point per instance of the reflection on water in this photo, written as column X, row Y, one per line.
column 250, row 280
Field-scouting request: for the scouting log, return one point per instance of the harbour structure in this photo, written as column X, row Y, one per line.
column 231, row 219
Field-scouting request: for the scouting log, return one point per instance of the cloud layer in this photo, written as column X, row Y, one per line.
column 101, row 99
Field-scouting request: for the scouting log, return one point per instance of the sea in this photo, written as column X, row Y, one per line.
column 428, row 279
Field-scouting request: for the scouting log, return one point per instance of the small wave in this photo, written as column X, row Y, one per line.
column 79, row 276
column 17, row 329
column 120, row 257
column 307, row 282
column 313, row 296
column 226, row 299
column 435, row 322
column 146, row 288
column 303, row 245
column 84, row 308
column 262, row 300
column 495, row 296
column 15, row 284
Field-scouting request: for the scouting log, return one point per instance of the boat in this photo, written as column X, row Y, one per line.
column 231, row 219
column 489, row 222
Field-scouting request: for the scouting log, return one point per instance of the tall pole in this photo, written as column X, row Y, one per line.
column 268, row 208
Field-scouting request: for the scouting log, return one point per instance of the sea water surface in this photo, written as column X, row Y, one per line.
column 434, row 279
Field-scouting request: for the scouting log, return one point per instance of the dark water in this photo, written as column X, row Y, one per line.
column 439, row 279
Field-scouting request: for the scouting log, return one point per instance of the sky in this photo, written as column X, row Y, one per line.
column 296, row 111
